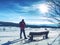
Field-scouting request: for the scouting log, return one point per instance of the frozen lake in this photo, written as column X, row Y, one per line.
column 12, row 33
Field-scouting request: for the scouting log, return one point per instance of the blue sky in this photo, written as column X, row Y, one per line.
column 16, row 10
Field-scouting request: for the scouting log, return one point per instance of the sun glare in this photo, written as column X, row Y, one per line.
column 43, row 8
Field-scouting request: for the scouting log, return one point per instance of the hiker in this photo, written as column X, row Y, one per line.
column 22, row 28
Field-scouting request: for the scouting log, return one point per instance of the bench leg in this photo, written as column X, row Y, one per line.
column 43, row 37
column 46, row 36
column 31, row 38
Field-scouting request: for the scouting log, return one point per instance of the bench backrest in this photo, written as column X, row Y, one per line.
column 39, row 33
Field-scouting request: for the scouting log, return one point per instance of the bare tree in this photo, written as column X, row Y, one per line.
column 54, row 11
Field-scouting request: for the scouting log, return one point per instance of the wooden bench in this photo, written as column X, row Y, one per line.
column 35, row 34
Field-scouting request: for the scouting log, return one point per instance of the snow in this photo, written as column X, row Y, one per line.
column 13, row 33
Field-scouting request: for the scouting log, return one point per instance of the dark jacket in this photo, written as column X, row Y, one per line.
column 22, row 25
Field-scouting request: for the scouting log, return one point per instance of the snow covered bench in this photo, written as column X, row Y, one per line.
column 35, row 34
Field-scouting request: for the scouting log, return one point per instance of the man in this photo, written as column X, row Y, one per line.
column 22, row 28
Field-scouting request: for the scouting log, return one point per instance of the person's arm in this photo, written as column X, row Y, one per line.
column 25, row 24
column 19, row 24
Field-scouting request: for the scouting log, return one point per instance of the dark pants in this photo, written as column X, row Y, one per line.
column 22, row 31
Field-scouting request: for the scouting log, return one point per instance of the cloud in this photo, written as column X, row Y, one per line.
column 16, row 19
column 18, row 6
column 15, row 10
column 20, row 2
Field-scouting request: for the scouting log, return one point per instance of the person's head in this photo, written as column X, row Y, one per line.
column 22, row 20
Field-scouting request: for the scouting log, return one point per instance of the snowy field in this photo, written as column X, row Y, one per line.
column 12, row 33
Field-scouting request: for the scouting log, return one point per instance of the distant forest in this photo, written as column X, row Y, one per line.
column 32, row 26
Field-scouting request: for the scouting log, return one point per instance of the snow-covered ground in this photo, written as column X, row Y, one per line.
column 12, row 33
